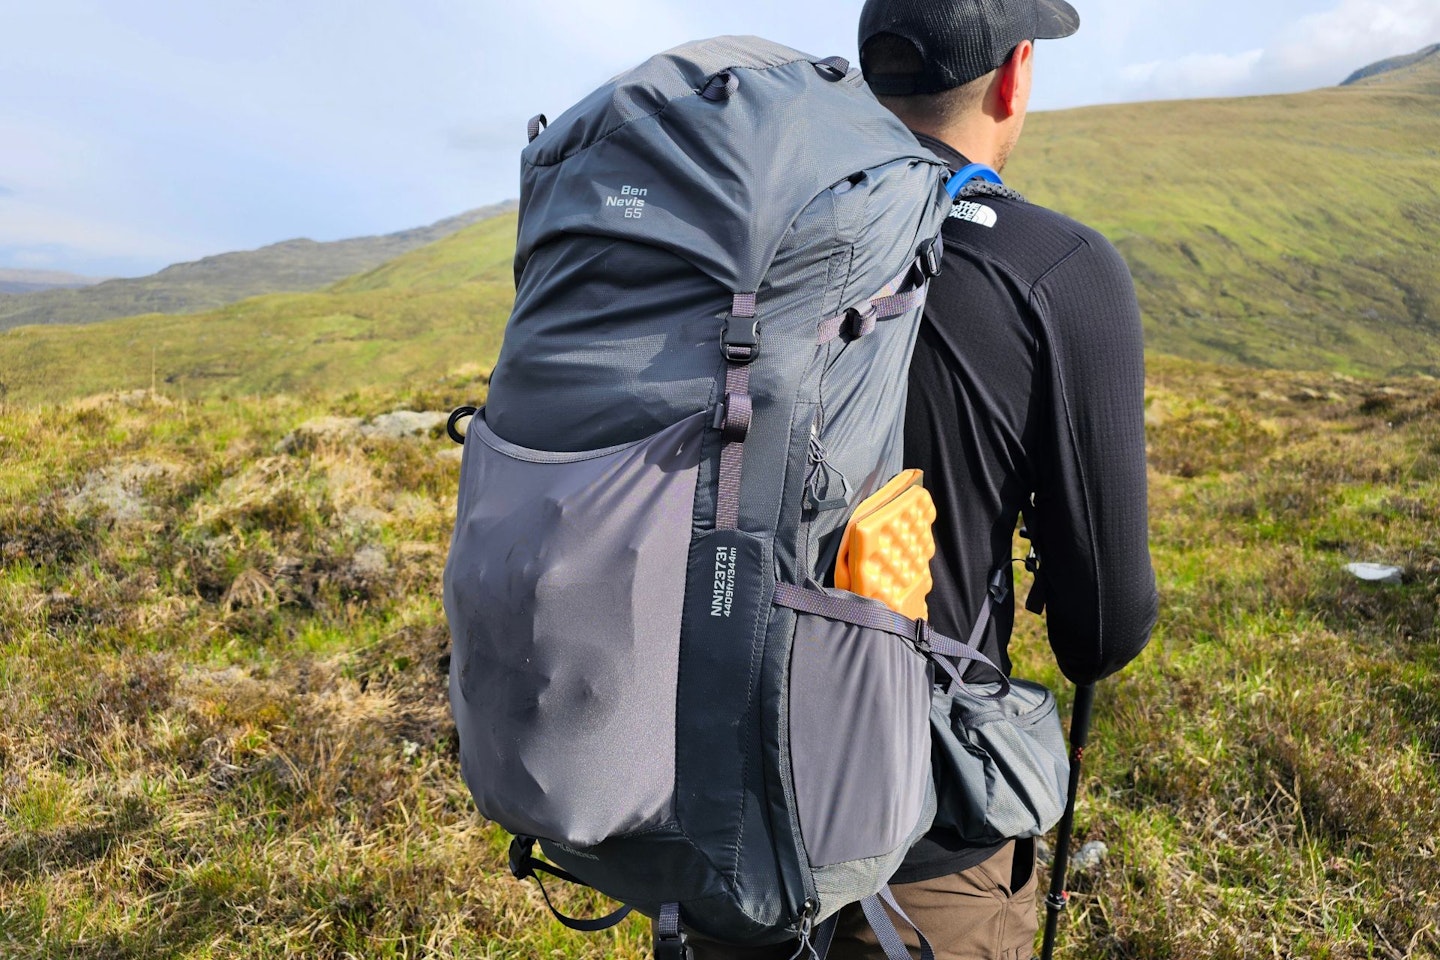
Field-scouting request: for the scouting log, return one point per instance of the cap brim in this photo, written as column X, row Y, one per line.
column 1057, row 19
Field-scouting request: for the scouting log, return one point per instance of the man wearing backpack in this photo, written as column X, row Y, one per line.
column 704, row 365
column 1026, row 395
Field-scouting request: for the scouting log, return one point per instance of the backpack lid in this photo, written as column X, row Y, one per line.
column 716, row 178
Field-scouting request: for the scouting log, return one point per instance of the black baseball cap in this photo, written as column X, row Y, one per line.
column 958, row 40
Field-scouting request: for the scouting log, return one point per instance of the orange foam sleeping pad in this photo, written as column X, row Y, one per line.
column 887, row 547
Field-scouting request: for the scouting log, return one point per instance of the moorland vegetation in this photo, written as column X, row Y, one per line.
column 223, row 719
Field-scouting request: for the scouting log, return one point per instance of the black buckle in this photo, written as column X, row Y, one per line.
column 862, row 321
column 922, row 639
column 740, row 345
column 674, row 946
column 932, row 255
column 522, row 857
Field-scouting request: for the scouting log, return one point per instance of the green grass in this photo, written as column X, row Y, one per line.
column 1300, row 232
column 420, row 316
column 293, row 265
column 226, row 730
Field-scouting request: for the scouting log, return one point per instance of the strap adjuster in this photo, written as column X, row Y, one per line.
column 1000, row 584
column 932, row 255
column 738, row 344
column 922, row 636
column 672, row 946
column 862, row 320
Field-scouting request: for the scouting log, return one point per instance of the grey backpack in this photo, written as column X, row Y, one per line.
column 721, row 265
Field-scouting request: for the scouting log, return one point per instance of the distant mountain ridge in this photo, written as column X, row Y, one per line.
column 1299, row 232
column 292, row 266
column 33, row 281
column 1395, row 64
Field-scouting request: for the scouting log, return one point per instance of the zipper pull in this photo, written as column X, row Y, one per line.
column 807, row 927
column 817, row 497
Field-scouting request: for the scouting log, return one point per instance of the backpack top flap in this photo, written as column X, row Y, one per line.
column 715, row 177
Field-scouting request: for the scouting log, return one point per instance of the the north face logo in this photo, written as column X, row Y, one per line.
column 974, row 212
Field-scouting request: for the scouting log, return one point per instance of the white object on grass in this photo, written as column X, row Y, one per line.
column 1377, row 572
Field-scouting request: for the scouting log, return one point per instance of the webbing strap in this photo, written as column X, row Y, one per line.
column 671, row 943
column 861, row 322
column 884, row 928
column 832, row 328
column 940, row 648
column 734, row 427
column 898, row 303
column 885, row 932
column 583, row 926
column 927, row 952
column 824, row 936
column 737, row 408
column 524, row 865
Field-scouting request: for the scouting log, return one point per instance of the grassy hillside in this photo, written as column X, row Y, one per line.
column 295, row 265
column 412, row 319
column 222, row 677
column 1298, row 231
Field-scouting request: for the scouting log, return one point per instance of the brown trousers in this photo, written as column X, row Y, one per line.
column 988, row 912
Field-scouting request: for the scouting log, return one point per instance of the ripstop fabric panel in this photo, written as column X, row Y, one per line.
column 646, row 207
column 609, row 342
column 562, row 573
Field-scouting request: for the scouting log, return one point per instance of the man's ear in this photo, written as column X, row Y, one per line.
column 1013, row 78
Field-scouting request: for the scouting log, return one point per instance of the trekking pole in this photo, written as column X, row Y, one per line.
column 1079, row 734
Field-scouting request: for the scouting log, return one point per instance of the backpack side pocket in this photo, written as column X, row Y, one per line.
column 1001, row 767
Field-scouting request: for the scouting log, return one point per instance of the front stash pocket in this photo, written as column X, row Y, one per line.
column 564, row 591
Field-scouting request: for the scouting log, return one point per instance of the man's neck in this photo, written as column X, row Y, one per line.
column 971, row 149
column 955, row 158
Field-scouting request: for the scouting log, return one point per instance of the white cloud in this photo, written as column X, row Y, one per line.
column 1355, row 33
column 1203, row 74
column 1318, row 49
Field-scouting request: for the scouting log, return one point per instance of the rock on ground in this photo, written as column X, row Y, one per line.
column 116, row 492
column 398, row 425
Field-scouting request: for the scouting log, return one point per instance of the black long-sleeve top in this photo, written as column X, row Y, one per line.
column 1027, row 395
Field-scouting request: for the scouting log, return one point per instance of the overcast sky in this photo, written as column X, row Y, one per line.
column 136, row 133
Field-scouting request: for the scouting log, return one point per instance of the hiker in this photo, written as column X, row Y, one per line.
column 1026, row 395
column 696, row 424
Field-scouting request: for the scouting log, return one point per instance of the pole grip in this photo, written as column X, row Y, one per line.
column 1056, row 902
